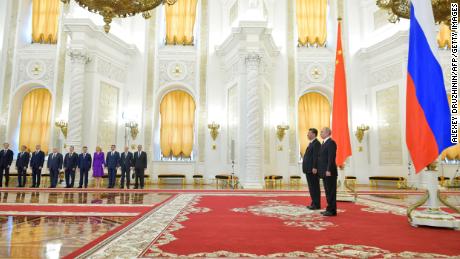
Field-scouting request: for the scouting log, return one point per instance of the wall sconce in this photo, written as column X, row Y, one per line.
column 62, row 124
column 133, row 128
column 214, row 131
column 280, row 133
column 360, row 130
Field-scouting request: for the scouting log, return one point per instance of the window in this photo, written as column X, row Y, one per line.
column 311, row 22
column 45, row 15
column 180, row 20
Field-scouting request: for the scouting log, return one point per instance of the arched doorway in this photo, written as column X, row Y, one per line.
column 314, row 111
column 177, row 120
column 35, row 119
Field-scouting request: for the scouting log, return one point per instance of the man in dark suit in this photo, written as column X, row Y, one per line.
column 112, row 164
column 6, row 158
column 126, row 162
column 70, row 167
column 140, row 164
column 54, row 166
column 310, row 169
column 36, row 164
column 327, row 170
column 84, row 164
column 22, row 162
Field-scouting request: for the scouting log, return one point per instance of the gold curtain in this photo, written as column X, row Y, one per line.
column 45, row 15
column 180, row 19
column 311, row 22
column 35, row 119
column 453, row 152
column 177, row 111
column 314, row 112
column 444, row 39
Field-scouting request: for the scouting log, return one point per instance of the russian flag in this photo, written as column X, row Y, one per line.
column 427, row 110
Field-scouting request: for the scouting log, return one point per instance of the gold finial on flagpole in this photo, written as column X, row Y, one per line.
column 339, row 10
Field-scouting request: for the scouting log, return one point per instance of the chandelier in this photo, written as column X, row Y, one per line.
column 110, row 9
column 401, row 9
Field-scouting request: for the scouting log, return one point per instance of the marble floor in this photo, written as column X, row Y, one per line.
column 49, row 197
column 50, row 237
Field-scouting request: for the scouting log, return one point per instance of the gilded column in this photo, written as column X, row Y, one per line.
column 254, row 116
column 202, row 126
column 79, row 58
column 8, row 68
column 293, row 155
column 150, row 83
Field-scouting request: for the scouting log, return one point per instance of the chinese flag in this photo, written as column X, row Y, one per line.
column 340, row 132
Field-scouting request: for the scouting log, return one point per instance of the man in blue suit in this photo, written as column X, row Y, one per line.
column 36, row 164
column 54, row 166
column 70, row 167
column 112, row 163
column 6, row 158
column 22, row 162
column 84, row 164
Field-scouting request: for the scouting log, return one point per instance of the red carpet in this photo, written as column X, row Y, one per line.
column 281, row 226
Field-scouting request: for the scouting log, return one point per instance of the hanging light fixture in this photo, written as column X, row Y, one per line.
column 398, row 9
column 110, row 9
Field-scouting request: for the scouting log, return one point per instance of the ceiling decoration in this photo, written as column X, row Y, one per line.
column 398, row 9
column 110, row 9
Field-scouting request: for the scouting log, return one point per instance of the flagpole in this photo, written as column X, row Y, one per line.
column 342, row 193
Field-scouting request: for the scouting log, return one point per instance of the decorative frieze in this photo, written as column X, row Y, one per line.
column 386, row 74
column 177, row 71
column 41, row 70
column 314, row 73
column 110, row 70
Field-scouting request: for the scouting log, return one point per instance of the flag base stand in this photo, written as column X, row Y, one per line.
column 345, row 192
column 432, row 215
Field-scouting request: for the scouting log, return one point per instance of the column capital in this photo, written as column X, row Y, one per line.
column 78, row 55
column 253, row 59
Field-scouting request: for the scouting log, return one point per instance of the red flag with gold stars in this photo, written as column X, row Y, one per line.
column 340, row 132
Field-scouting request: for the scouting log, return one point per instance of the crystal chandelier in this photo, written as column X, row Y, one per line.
column 110, row 9
column 401, row 9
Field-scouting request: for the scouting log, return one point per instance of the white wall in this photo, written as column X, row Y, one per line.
column 375, row 59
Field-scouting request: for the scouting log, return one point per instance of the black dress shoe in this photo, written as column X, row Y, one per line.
column 329, row 213
column 313, row 208
column 135, row 187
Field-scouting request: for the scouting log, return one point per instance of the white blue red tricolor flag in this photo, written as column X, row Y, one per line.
column 427, row 110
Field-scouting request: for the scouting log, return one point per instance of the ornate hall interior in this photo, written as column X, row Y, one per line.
column 216, row 101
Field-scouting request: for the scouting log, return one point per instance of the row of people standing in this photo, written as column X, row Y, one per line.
column 71, row 162
column 24, row 160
